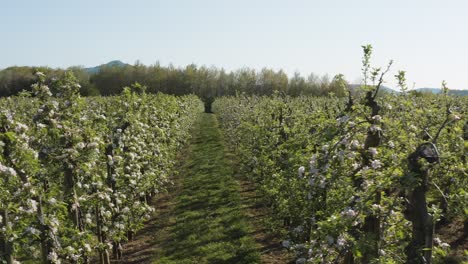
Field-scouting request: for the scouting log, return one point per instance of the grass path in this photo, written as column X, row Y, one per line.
column 210, row 226
column 212, row 214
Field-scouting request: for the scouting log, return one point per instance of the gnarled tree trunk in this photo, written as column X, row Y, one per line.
column 420, row 248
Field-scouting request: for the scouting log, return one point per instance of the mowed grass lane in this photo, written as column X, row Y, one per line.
column 209, row 224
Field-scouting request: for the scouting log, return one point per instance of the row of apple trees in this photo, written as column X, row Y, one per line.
column 362, row 180
column 77, row 174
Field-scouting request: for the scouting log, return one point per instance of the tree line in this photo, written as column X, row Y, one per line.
column 206, row 82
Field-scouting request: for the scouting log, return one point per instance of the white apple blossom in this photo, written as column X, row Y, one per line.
column 54, row 224
column 349, row 212
column 355, row 144
column 70, row 249
column 53, row 257
column 92, row 145
column 375, row 129
column 322, row 183
column 455, row 117
column 32, row 206
column 40, row 74
column 301, row 171
column 20, row 127
column 75, row 206
column 80, row 145
column 87, row 247
column 107, row 214
column 110, row 160
column 341, row 242
column 33, row 230
column 88, row 219
column 7, row 171
column 444, row 245
column 366, row 184
column 376, row 164
column 373, row 152
column 355, row 165
column 377, row 118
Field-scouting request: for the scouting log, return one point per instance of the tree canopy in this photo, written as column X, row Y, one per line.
column 206, row 82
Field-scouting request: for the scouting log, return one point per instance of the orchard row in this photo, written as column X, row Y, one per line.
column 77, row 174
column 366, row 179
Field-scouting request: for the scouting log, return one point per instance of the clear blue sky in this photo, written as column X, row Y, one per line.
column 428, row 39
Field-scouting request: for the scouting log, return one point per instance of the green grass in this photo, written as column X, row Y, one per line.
column 210, row 227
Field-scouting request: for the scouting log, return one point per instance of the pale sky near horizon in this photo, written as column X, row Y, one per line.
column 428, row 39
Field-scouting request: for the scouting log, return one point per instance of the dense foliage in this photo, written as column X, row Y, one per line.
column 192, row 79
column 362, row 180
column 76, row 174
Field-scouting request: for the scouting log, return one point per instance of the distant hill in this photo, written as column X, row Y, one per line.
column 388, row 89
column 438, row 91
column 114, row 63
column 355, row 87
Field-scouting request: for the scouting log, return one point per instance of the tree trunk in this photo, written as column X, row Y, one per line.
column 130, row 235
column 371, row 228
column 465, row 229
column 117, row 250
column 420, row 248
column 111, row 182
column 46, row 244
column 6, row 248
column 103, row 254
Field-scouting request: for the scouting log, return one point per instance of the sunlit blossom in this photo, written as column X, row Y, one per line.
column 373, row 152
column 376, row 164
column 301, row 171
